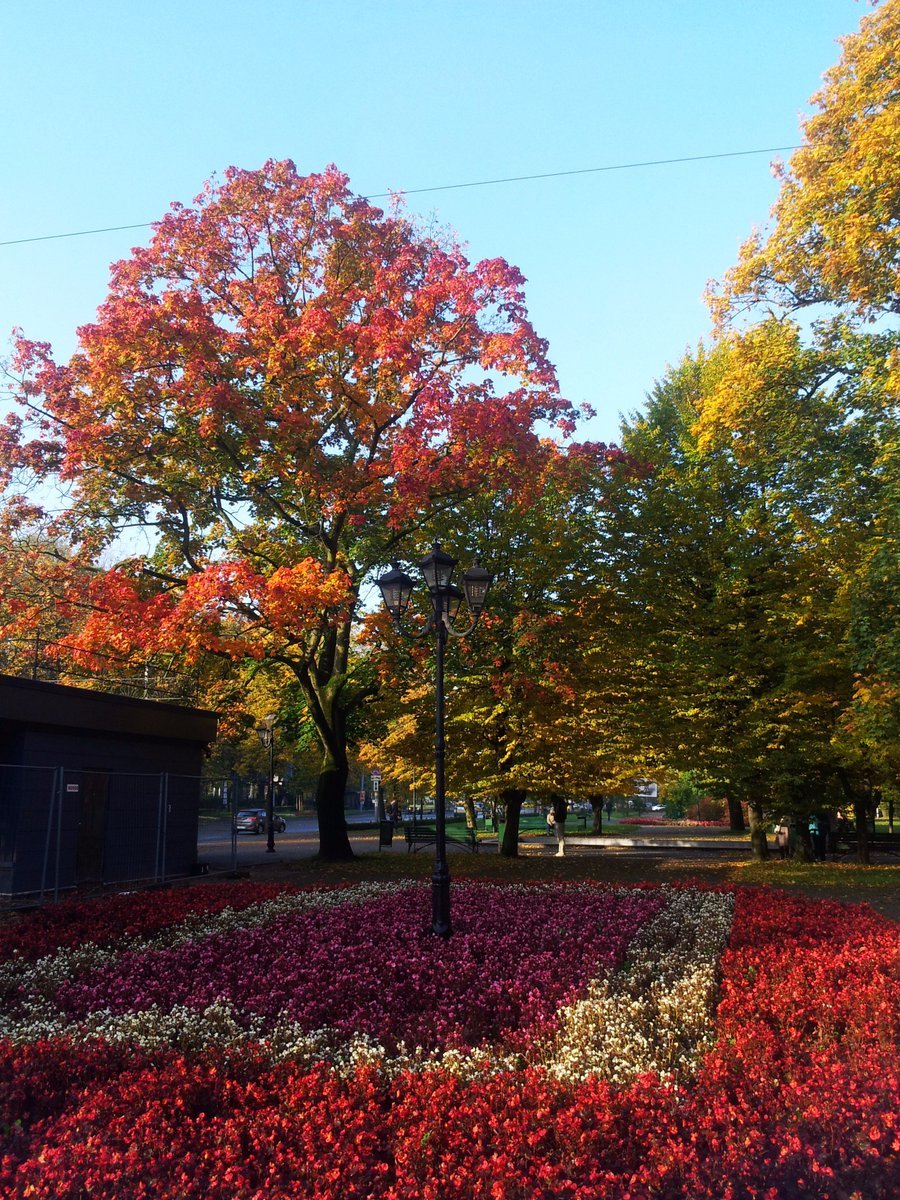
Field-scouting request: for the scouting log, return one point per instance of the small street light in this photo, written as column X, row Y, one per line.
column 446, row 600
column 266, row 731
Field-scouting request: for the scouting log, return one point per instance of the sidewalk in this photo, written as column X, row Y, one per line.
column 302, row 841
column 368, row 841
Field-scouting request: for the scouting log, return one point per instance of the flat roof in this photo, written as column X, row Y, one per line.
column 32, row 702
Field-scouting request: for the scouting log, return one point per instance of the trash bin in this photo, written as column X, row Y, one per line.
column 385, row 833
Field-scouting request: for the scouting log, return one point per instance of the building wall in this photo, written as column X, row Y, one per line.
column 95, row 788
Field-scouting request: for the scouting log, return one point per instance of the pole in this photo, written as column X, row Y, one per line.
column 233, row 807
column 59, row 815
column 55, row 797
column 270, row 802
column 159, row 830
column 440, row 879
column 164, row 785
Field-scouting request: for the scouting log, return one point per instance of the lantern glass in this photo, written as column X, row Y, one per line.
column 476, row 582
column 396, row 589
column 452, row 597
column 437, row 569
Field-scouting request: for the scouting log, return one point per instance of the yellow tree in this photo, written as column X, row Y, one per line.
column 834, row 249
column 32, row 625
column 836, row 236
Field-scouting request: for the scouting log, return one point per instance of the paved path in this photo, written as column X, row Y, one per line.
column 301, row 840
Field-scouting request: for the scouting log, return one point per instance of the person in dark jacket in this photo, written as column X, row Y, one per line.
column 560, row 810
column 818, row 835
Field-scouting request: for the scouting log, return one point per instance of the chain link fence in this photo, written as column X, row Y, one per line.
column 62, row 828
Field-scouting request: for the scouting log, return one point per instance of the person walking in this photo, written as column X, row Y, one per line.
column 560, row 810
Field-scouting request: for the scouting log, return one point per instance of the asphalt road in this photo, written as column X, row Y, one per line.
column 300, row 840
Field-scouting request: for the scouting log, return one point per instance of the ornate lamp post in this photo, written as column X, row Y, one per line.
column 266, row 731
column 446, row 599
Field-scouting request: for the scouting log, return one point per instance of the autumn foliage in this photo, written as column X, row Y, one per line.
column 280, row 390
column 835, row 237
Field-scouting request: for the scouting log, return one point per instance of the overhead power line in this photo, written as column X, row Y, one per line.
column 450, row 187
column 49, row 237
column 630, row 166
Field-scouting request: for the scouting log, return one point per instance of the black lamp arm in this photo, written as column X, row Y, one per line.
column 409, row 636
column 456, row 634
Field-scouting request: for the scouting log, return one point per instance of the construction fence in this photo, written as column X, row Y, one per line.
column 62, row 828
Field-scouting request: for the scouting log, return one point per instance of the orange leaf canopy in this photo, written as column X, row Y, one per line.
column 280, row 387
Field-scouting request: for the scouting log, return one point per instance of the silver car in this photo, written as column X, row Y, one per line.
column 253, row 820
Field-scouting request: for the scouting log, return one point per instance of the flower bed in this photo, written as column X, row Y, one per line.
column 568, row 1041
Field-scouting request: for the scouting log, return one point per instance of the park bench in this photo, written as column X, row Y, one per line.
column 881, row 843
column 418, row 836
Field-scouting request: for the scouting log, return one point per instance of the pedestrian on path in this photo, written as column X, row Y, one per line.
column 559, row 812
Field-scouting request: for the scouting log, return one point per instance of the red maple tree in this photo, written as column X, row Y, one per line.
column 284, row 388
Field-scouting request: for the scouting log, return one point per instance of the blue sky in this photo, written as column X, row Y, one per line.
column 114, row 110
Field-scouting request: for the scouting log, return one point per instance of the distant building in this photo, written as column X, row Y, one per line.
column 95, row 788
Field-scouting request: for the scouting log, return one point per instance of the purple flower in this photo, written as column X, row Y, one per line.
column 516, row 955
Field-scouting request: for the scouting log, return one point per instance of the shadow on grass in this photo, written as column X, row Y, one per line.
column 878, row 885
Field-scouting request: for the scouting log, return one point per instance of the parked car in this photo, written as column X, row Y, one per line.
column 253, row 820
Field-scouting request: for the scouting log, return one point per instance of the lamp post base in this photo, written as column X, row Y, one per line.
column 440, row 901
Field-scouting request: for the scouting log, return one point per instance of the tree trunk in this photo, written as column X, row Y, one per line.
column 596, row 803
column 861, row 815
column 469, row 808
column 860, row 799
column 334, row 844
column 324, row 690
column 513, row 799
column 758, row 842
column 736, row 822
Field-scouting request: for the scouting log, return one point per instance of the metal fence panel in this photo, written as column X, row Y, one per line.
column 135, row 824
column 28, row 798
column 62, row 828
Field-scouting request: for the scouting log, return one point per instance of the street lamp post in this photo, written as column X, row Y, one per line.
column 446, row 599
column 266, row 731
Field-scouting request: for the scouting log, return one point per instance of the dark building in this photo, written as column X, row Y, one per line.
column 96, row 788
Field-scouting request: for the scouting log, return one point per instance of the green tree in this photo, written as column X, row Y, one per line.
column 737, row 544
column 834, row 247
column 518, row 718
